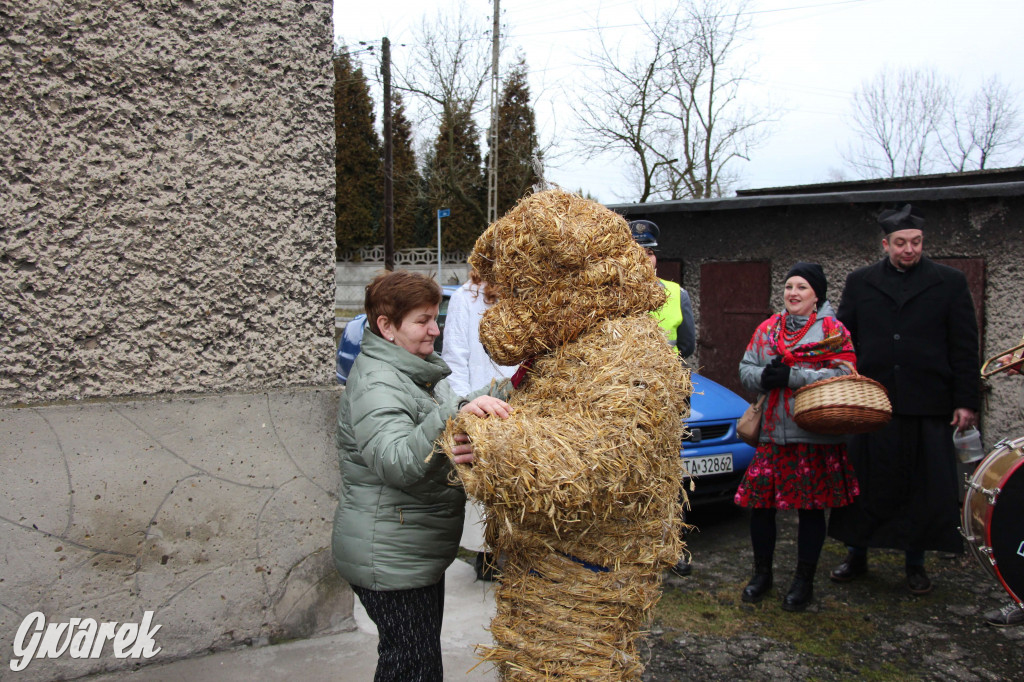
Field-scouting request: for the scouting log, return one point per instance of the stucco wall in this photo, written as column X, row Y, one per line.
column 843, row 236
column 167, row 197
column 167, row 398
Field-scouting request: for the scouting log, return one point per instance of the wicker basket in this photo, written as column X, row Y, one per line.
column 848, row 404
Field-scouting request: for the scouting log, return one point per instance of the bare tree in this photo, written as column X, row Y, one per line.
column 915, row 121
column 983, row 129
column 671, row 105
column 709, row 127
column 897, row 116
column 619, row 111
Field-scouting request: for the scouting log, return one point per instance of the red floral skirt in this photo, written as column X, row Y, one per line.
column 798, row 476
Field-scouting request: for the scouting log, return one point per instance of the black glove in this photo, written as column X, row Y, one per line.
column 775, row 375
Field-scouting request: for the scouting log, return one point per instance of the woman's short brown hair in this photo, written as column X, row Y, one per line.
column 393, row 294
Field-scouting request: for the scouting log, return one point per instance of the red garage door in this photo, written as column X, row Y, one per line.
column 734, row 299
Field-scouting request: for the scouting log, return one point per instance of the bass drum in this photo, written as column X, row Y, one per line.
column 993, row 515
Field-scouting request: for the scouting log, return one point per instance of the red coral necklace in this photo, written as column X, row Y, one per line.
column 788, row 339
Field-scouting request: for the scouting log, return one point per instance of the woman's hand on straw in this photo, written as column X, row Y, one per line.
column 463, row 453
column 482, row 406
column 485, row 405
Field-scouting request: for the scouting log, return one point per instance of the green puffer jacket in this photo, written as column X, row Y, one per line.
column 399, row 521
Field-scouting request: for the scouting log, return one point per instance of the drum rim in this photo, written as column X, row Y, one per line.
column 990, row 561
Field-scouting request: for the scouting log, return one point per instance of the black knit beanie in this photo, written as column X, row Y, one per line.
column 814, row 275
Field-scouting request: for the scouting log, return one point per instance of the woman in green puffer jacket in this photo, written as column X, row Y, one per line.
column 399, row 520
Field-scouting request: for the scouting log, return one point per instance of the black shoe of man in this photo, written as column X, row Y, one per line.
column 486, row 566
column 682, row 568
column 918, row 581
column 853, row 566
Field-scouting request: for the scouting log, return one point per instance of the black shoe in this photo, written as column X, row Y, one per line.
column 801, row 592
column 918, row 581
column 486, row 567
column 760, row 583
column 853, row 566
column 682, row 568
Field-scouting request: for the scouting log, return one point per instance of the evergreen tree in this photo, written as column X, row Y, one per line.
column 455, row 180
column 357, row 158
column 407, row 182
column 517, row 139
column 426, row 215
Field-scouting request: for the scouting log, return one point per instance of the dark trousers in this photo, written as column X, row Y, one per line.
column 810, row 533
column 909, row 493
column 409, row 625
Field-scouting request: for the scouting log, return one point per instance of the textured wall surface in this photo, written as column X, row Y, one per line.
column 166, row 197
column 213, row 512
column 167, row 258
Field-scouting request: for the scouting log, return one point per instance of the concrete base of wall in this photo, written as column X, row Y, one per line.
column 213, row 512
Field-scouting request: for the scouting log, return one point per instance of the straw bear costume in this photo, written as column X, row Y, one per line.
column 582, row 483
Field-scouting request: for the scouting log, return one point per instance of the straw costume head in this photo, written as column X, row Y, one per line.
column 582, row 484
column 560, row 264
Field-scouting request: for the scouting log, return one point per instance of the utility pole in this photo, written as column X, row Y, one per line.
column 492, row 167
column 389, row 166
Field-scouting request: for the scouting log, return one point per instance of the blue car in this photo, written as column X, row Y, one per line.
column 714, row 456
column 712, row 452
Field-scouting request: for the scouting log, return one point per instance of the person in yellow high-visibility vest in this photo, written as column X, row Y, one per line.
column 675, row 317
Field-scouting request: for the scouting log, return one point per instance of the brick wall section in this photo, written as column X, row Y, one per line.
column 166, row 197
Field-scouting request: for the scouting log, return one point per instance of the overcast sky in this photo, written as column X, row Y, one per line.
column 811, row 56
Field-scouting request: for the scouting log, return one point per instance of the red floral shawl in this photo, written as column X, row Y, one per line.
column 835, row 347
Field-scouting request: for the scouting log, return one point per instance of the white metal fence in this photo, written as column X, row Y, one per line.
column 357, row 268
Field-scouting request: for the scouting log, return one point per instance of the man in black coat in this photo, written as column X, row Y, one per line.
column 914, row 331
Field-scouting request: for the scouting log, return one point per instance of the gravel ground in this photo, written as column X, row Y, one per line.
column 871, row 629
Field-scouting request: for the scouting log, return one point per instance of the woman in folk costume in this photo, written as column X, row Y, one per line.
column 794, row 468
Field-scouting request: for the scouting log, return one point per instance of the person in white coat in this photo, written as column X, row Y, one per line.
column 472, row 369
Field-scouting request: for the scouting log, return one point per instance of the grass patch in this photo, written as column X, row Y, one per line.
column 700, row 612
column 827, row 634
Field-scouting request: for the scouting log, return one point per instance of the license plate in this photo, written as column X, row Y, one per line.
column 710, row 464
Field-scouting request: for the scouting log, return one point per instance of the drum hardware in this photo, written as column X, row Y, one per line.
column 973, row 539
column 994, row 533
column 991, row 493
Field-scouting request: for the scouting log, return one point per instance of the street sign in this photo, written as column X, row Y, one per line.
column 441, row 213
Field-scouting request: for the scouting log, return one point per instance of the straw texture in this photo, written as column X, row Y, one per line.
column 582, row 484
column 559, row 264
